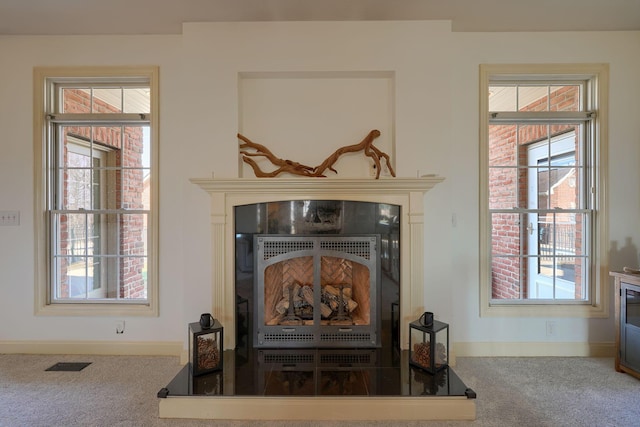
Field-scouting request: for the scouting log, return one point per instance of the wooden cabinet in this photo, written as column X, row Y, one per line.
column 627, row 299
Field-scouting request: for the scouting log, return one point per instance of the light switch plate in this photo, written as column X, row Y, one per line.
column 9, row 218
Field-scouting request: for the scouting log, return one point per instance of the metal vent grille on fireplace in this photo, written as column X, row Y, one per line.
column 346, row 337
column 289, row 337
column 273, row 248
column 353, row 247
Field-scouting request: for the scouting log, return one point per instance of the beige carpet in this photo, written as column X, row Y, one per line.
column 121, row 391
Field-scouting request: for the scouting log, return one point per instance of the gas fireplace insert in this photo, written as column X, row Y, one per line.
column 317, row 291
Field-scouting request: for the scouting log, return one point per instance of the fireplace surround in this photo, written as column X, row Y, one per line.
column 226, row 194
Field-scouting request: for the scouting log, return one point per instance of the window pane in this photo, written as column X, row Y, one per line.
column 134, row 192
column 136, row 149
column 566, row 238
column 503, row 190
column 134, row 189
column 502, row 98
column 71, row 235
column 563, row 188
column 106, row 100
column 505, row 233
column 75, row 100
column 533, row 98
column 565, row 98
column 505, row 278
column 137, row 100
column 70, row 277
column 502, row 145
column 133, row 278
column 79, row 277
column 528, row 134
column 78, row 185
column 95, row 234
column 565, row 273
column 133, row 263
column 107, row 136
column 135, row 228
column 540, row 196
column 146, row 147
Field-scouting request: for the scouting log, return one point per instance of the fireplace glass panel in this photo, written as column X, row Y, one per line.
column 288, row 292
column 320, row 218
column 345, row 291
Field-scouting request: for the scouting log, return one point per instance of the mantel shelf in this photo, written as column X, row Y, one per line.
column 250, row 185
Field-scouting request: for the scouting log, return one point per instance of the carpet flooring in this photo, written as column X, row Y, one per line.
column 121, row 391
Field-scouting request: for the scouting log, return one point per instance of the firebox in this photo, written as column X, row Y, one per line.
column 316, row 291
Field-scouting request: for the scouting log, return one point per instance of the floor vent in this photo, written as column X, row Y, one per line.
column 68, row 366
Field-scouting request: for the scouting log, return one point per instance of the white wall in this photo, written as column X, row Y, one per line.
column 617, row 49
column 436, row 131
column 17, row 320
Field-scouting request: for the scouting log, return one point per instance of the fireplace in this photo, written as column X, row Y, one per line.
column 228, row 194
column 317, row 291
column 318, row 383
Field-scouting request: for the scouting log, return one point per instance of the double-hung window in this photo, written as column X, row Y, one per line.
column 96, row 192
column 542, row 211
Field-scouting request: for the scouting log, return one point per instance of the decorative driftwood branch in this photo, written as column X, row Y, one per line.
column 262, row 151
column 250, row 149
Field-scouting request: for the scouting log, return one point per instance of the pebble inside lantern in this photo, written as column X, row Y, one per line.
column 205, row 348
column 429, row 345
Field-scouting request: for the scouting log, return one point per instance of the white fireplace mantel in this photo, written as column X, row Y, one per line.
column 226, row 194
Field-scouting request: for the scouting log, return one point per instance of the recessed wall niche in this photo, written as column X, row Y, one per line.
column 306, row 116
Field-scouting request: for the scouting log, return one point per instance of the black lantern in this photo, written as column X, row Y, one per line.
column 205, row 348
column 429, row 345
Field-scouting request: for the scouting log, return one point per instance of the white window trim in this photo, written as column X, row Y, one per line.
column 42, row 305
column 599, row 307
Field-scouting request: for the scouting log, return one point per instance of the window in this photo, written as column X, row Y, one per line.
column 542, row 189
column 96, row 192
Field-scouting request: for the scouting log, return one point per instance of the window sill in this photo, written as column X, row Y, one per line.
column 546, row 310
column 97, row 309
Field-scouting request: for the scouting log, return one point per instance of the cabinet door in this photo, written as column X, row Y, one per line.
column 630, row 326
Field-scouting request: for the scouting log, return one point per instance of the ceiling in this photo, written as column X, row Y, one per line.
column 86, row 17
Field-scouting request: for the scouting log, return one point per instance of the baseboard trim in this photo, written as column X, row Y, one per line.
column 109, row 348
column 171, row 348
column 534, row 349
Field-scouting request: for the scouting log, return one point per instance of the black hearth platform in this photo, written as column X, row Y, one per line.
column 317, row 372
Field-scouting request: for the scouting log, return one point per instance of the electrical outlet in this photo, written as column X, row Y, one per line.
column 120, row 327
column 552, row 328
column 373, row 169
column 10, row 218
